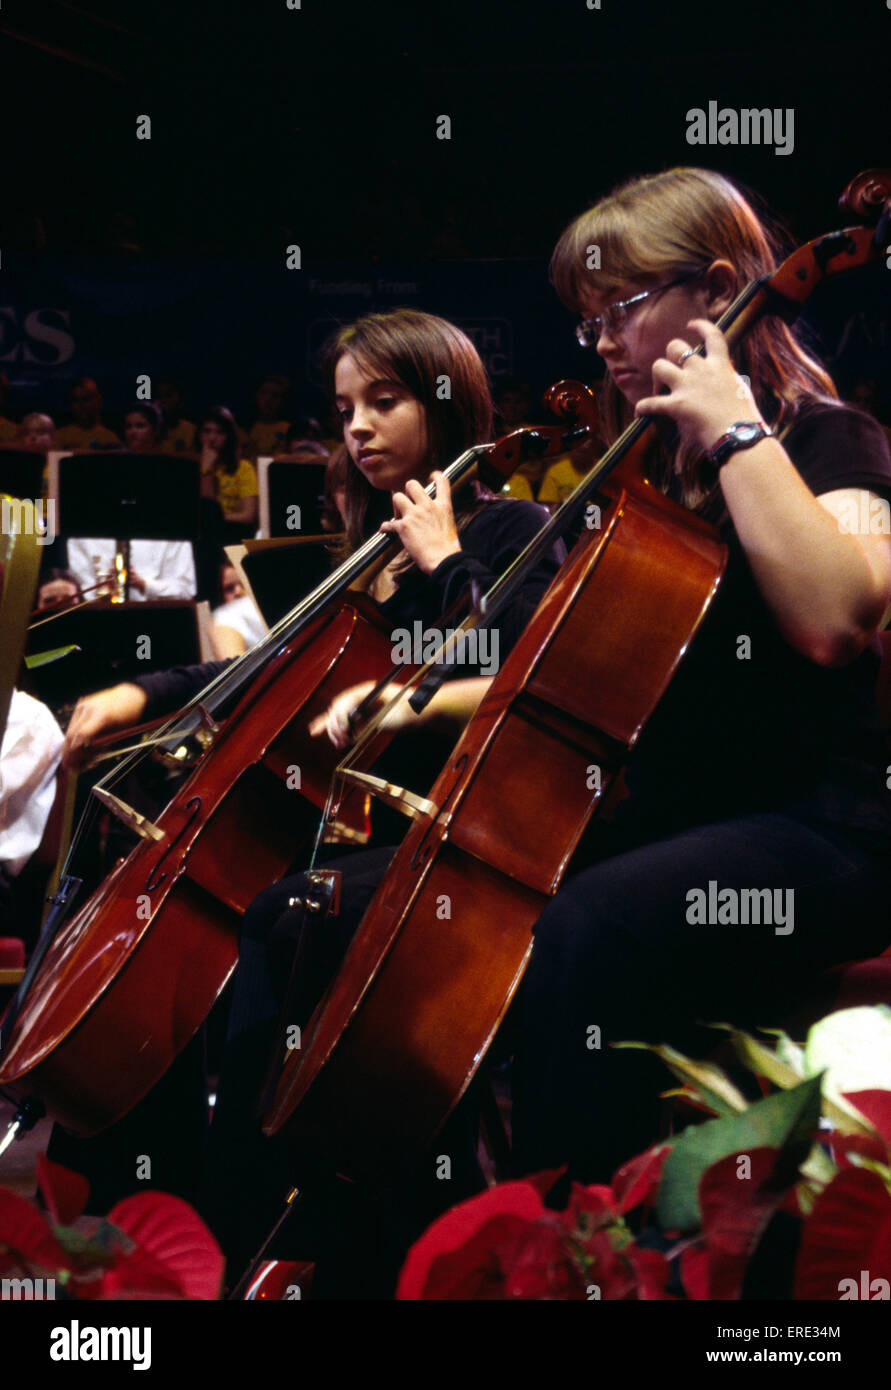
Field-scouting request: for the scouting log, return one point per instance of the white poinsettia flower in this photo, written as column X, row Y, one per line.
column 853, row 1047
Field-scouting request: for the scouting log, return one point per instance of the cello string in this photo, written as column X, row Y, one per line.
column 242, row 669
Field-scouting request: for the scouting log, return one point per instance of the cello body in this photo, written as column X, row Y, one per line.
column 443, row 945
column 130, row 979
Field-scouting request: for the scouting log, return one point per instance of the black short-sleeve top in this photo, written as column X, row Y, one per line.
column 755, row 726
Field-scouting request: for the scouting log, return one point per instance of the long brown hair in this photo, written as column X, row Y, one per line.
column 419, row 350
column 676, row 222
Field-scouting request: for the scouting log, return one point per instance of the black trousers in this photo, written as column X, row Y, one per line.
column 358, row 1238
column 619, row 955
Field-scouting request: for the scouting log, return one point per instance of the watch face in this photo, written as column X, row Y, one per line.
column 746, row 433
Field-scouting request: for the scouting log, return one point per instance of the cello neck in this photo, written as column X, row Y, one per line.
column 358, row 567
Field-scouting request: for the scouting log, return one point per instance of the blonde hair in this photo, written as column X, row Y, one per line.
column 676, row 222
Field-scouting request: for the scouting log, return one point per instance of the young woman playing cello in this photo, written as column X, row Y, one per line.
column 386, row 373
column 761, row 766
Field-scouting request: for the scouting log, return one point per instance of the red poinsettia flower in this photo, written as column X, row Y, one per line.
column 507, row 1244
column 737, row 1202
column 847, row 1238
column 26, row 1240
column 173, row 1246
column 152, row 1245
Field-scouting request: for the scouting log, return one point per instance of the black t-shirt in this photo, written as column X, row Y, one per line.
column 772, row 730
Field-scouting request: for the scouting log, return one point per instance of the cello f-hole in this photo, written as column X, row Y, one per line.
column 194, row 806
column 422, row 851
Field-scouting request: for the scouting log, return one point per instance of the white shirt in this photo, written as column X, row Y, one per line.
column 241, row 614
column 29, row 757
column 168, row 567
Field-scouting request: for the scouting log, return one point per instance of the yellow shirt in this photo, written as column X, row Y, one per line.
column 232, row 488
column 76, row 437
column 517, row 486
column 179, row 439
column 266, row 438
column 560, row 480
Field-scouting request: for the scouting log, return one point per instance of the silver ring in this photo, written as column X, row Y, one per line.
column 690, row 352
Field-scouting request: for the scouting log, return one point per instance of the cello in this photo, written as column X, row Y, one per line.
column 112, row 995
column 403, row 1028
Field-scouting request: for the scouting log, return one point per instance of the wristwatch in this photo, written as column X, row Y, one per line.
column 742, row 435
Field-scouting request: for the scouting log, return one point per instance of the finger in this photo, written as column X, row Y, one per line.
column 654, row 405
column 401, row 504
column 675, row 348
column 711, row 335
column 443, row 487
column 667, row 373
column 416, row 491
column 318, row 725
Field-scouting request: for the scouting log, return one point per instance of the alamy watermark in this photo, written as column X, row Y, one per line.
column 27, row 1289
column 478, row 647
column 734, row 907
column 746, row 126
column 22, row 517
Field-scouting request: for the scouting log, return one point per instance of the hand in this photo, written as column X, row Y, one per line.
column 425, row 525
column 54, row 591
column 706, row 395
column 335, row 721
column 134, row 580
column 114, row 708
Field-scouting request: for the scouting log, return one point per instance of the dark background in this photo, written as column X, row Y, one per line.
column 317, row 126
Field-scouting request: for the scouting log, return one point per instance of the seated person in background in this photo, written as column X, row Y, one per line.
column 158, row 569
column 36, row 431
column 304, row 430
column 29, row 757
column 237, row 624
column 7, row 427
column 513, row 410
column 334, row 512
column 87, row 431
column 561, row 479
column 269, row 430
column 303, row 436
column 230, row 480
column 179, row 437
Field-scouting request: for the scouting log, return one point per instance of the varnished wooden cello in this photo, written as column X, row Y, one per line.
column 114, row 996
column 421, row 993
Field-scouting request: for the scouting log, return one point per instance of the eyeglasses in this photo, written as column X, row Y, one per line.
column 615, row 316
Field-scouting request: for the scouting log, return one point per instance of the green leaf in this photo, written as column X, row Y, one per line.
column 44, row 658
column 707, row 1081
column 763, row 1060
column 786, row 1120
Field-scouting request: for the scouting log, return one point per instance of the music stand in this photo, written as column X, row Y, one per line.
column 289, row 482
column 21, row 471
column 127, row 497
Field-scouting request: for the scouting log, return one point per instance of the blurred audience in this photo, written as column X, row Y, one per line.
column 144, row 428
column 87, row 430
column 270, row 428
column 226, row 477
column 7, row 427
column 37, row 431
column 179, row 436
